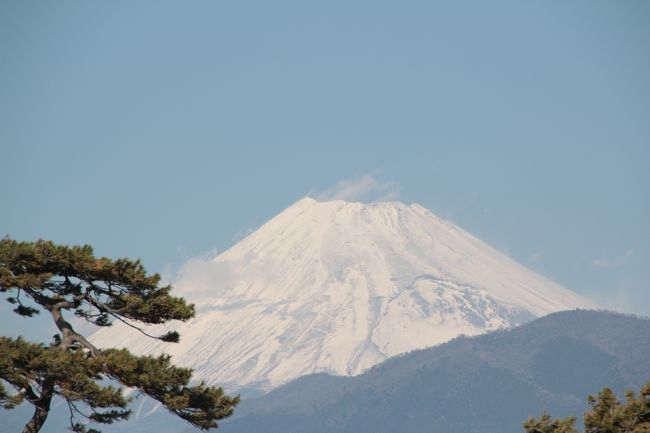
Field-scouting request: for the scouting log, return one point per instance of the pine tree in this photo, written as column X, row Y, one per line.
column 606, row 414
column 545, row 424
column 58, row 280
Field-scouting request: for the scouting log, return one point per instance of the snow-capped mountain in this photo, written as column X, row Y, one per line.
column 338, row 287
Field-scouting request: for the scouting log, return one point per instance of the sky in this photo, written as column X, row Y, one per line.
column 166, row 130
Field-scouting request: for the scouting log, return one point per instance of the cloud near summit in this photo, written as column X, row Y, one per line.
column 364, row 188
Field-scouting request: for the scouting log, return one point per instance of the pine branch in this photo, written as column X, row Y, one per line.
column 108, row 310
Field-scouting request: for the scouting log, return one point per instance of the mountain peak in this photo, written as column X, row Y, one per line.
column 336, row 287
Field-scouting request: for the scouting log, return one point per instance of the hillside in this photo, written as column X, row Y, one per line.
column 483, row 384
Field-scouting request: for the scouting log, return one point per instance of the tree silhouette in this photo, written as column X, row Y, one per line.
column 606, row 414
column 57, row 279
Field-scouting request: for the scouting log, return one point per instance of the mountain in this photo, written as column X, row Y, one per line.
column 484, row 384
column 337, row 287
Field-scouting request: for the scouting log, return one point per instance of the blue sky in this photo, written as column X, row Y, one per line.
column 162, row 130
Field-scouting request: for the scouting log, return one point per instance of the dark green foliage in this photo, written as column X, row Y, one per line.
column 545, row 424
column 170, row 337
column 606, row 414
column 91, row 287
column 42, row 276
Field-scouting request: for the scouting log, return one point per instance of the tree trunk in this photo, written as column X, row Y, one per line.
column 42, row 403
column 40, row 415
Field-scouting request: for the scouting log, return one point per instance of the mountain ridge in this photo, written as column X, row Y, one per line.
column 488, row 383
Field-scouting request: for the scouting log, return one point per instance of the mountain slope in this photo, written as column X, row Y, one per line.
column 337, row 287
column 485, row 384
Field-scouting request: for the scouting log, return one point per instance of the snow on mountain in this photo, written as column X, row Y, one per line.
column 338, row 287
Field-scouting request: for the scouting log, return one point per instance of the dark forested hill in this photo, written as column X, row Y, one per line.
column 484, row 384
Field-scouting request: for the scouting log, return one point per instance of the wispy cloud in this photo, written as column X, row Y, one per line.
column 208, row 279
column 537, row 255
column 615, row 262
column 201, row 278
column 362, row 188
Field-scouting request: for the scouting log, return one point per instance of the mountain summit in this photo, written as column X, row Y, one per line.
column 338, row 287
